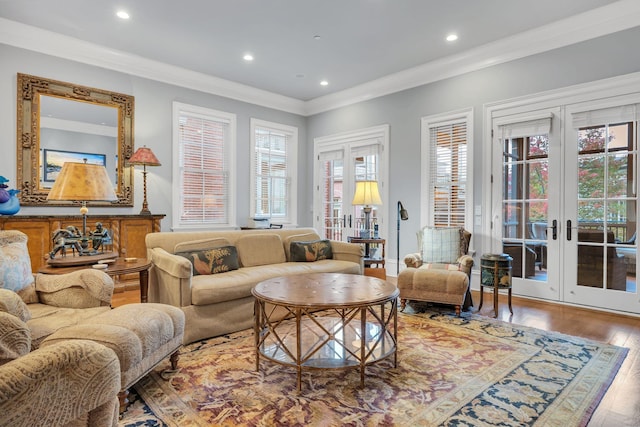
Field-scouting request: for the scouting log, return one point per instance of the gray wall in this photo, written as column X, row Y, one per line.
column 608, row 56
column 153, row 128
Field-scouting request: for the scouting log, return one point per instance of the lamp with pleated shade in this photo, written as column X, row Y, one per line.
column 83, row 182
column 366, row 194
column 145, row 157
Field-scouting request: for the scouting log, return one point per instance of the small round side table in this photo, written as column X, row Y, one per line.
column 495, row 272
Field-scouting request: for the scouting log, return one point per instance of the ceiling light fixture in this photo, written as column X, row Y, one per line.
column 324, row 83
column 248, row 57
column 452, row 37
column 122, row 14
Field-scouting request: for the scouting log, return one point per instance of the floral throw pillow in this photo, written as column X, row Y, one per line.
column 212, row 261
column 310, row 251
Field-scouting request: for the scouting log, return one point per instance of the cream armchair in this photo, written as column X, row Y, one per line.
column 441, row 271
column 67, row 384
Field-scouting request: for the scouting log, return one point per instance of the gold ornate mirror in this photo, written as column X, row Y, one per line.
column 60, row 122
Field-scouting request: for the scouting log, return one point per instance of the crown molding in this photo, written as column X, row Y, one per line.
column 618, row 16
column 55, row 44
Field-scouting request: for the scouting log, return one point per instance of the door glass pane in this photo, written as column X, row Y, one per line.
column 525, row 204
column 366, row 169
column 607, row 208
column 332, row 200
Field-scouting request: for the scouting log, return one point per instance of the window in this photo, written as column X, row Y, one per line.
column 445, row 142
column 204, row 150
column 273, row 171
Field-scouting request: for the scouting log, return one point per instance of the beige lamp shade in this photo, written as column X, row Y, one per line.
column 366, row 193
column 82, row 182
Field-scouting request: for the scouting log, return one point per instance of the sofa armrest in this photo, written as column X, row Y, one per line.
column 71, row 379
column 413, row 260
column 170, row 278
column 346, row 251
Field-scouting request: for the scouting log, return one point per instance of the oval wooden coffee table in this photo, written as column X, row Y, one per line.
column 338, row 321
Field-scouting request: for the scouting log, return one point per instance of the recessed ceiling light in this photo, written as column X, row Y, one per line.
column 324, row 83
column 248, row 57
column 122, row 14
column 452, row 37
column 316, row 37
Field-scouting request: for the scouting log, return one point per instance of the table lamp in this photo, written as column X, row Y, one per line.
column 145, row 157
column 366, row 194
column 83, row 182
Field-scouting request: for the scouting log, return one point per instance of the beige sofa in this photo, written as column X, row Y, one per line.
column 221, row 303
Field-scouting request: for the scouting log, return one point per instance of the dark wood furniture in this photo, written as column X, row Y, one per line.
column 119, row 267
column 374, row 256
column 128, row 232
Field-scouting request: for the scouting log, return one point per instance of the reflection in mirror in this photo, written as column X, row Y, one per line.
column 66, row 125
column 60, row 122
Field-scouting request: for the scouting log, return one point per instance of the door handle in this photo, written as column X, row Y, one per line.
column 554, row 229
column 568, row 229
column 344, row 221
column 349, row 220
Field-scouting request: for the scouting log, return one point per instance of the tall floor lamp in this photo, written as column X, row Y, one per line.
column 402, row 215
column 145, row 157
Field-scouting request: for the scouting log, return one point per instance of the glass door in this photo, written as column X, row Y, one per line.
column 602, row 208
column 527, row 212
column 338, row 219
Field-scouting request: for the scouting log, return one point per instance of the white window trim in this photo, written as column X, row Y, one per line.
column 292, row 168
column 208, row 112
column 426, row 123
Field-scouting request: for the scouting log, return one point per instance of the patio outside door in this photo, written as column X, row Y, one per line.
column 526, row 216
column 340, row 161
column 601, row 214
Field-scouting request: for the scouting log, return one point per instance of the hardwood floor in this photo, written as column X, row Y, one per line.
column 621, row 403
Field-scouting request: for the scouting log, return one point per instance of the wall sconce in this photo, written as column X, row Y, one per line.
column 145, row 157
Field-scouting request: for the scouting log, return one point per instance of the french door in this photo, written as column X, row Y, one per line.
column 564, row 202
column 527, row 199
column 341, row 161
column 602, row 204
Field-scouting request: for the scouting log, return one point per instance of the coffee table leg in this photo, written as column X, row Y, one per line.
column 256, row 331
column 299, row 348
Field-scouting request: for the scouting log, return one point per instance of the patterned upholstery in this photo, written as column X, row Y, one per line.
column 441, row 271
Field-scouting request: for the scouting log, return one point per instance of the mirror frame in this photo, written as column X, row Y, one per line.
column 28, row 137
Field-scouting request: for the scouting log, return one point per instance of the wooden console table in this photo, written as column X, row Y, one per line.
column 128, row 233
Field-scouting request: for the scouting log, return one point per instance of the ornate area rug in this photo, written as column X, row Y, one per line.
column 469, row 371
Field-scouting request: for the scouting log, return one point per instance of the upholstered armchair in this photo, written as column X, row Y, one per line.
column 54, row 301
column 67, row 384
column 441, row 271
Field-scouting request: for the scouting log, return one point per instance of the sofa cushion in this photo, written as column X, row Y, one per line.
column 260, row 249
column 305, row 237
column 15, row 263
column 311, row 251
column 196, row 245
column 212, row 260
column 237, row 284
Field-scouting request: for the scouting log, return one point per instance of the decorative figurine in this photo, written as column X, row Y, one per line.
column 9, row 202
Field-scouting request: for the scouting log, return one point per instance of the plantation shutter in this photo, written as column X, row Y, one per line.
column 203, row 169
column 271, row 171
column 448, row 172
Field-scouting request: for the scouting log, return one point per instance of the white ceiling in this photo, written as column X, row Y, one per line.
column 361, row 41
